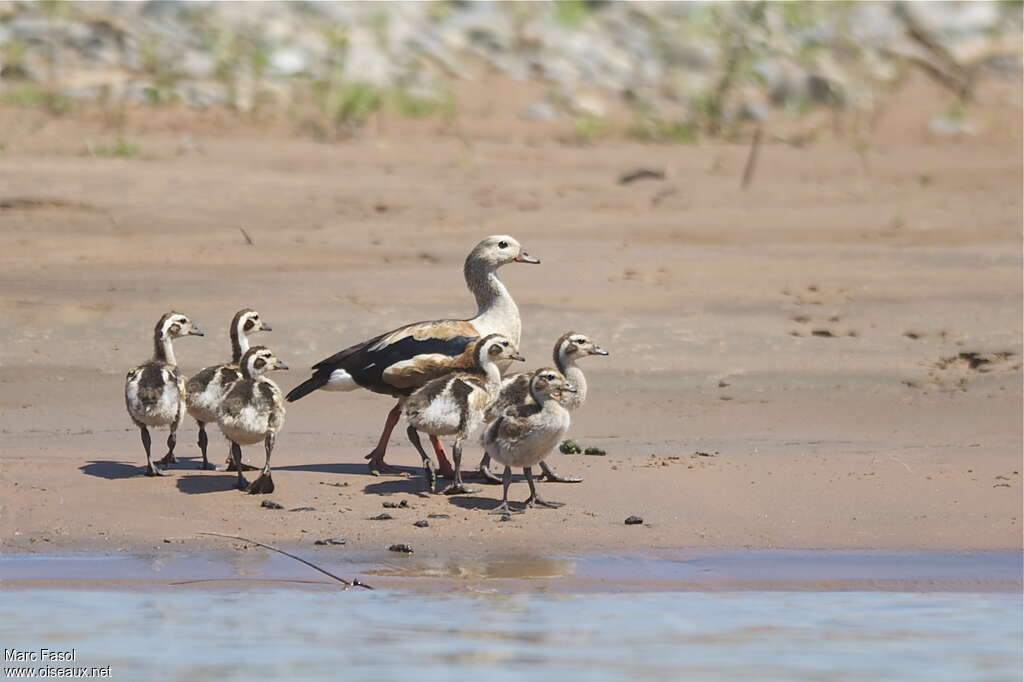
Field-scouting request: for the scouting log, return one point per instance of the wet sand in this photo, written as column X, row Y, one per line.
column 830, row 359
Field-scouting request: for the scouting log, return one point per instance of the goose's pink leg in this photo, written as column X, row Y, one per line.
column 376, row 456
column 444, row 467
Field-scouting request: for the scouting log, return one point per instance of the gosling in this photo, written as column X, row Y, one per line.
column 569, row 348
column 206, row 388
column 253, row 410
column 526, row 433
column 154, row 392
column 454, row 405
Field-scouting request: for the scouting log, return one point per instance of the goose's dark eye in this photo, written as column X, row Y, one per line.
column 502, row 245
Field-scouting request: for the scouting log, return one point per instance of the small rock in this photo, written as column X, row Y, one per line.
column 270, row 504
column 403, row 548
column 300, row 509
column 437, row 516
column 167, row 540
column 595, row 451
column 396, row 505
column 634, row 520
column 335, row 485
column 382, row 517
column 570, row 447
column 330, row 541
column 505, row 517
column 422, row 523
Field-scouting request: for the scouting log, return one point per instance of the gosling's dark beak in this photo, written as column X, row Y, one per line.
column 570, row 388
column 524, row 257
column 280, row 365
column 597, row 350
column 519, row 357
column 264, row 327
column 196, row 331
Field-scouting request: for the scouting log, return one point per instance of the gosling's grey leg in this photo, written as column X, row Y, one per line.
column 550, row 475
column 458, row 487
column 428, row 464
column 236, row 455
column 484, row 470
column 264, row 485
column 203, row 440
column 146, row 442
column 534, row 498
column 503, row 508
column 230, row 465
column 172, row 440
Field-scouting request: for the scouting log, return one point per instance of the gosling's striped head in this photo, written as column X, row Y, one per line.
column 495, row 347
column 498, row 250
column 578, row 346
column 259, row 360
column 175, row 325
column 247, row 321
column 550, row 382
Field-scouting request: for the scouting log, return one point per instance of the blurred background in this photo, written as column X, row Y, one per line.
column 584, row 71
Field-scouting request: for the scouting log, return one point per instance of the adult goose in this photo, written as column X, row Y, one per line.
column 398, row 362
column 207, row 387
column 569, row 348
column 154, row 392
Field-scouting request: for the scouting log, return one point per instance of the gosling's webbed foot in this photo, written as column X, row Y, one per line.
column 537, row 500
column 556, row 478
column 459, row 489
column 430, row 475
column 485, row 473
column 167, row 460
column 242, row 484
column 208, row 466
column 264, row 485
column 154, row 471
column 503, row 508
column 230, row 466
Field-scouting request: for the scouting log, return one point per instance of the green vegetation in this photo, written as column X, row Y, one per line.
column 30, row 96
column 120, row 148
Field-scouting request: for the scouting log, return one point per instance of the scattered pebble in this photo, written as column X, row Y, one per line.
column 382, row 517
column 270, row 504
column 403, row 548
column 335, row 485
column 300, row 509
column 634, row 520
column 595, row 451
column 396, row 505
column 422, row 523
column 505, row 517
column 330, row 541
column 570, row 447
column 438, row 516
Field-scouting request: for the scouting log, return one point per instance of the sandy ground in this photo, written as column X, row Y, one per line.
column 828, row 359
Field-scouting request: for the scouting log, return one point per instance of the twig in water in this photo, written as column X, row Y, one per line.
column 353, row 583
column 748, row 170
column 248, row 239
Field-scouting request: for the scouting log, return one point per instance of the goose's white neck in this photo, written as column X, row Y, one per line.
column 493, row 375
column 496, row 311
column 239, row 341
column 566, row 364
column 164, row 351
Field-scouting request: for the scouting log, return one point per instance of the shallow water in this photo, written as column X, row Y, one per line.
column 286, row 632
column 702, row 615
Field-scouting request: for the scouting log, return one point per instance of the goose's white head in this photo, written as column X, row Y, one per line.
column 495, row 347
column 548, row 382
column 498, row 250
column 175, row 325
column 247, row 321
column 576, row 346
column 259, row 360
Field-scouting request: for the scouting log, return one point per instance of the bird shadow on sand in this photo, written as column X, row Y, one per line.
column 198, row 484
column 111, row 470
column 413, row 486
column 339, row 468
column 475, row 502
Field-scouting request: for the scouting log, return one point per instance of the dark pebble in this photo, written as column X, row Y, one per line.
column 382, row 517
column 505, row 517
column 396, row 505
column 330, row 541
column 270, row 504
column 438, row 516
column 303, row 509
column 422, row 523
column 595, row 451
column 404, row 548
column 570, row 447
column 634, row 520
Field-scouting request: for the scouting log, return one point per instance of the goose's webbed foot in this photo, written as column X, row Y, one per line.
column 459, row 488
column 154, row 471
column 503, row 508
column 167, row 460
column 264, row 485
column 537, row 500
column 230, row 466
